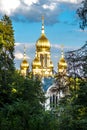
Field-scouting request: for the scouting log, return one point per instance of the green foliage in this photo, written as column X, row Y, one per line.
column 73, row 109
column 6, row 30
column 22, row 99
column 24, row 106
column 82, row 13
column 26, row 111
column 6, row 58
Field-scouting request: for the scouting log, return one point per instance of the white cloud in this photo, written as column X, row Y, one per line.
column 55, row 46
column 19, row 50
column 52, row 6
column 19, row 55
column 31, row 10
column 9, row 6
column 30, row 2
column 70, row 1
column 80, row 30
column 17, row 44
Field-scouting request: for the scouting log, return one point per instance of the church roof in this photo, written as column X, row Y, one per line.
column 43, row 43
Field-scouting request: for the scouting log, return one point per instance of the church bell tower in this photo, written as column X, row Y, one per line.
column 42, row 64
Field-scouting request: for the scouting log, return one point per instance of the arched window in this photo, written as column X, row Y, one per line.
column 53, row 101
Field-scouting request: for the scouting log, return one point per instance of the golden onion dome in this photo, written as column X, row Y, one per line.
column 36, row 62
column 62, row 62
column 43, row 43
column 24, row 64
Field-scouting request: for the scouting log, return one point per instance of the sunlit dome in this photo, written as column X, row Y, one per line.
column 62, row 62
column 62, row 65
column 24, row 64
column 42, row 64
column 36, row 62
column 43, row 43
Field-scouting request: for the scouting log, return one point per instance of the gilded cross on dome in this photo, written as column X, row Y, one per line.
column 24, row 52
column 42, row 24
column 62, row 50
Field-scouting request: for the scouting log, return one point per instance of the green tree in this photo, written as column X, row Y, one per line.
column 21, row 99
column 7, row 34
column 26, row 107
column 73, row 109
column 82, row 13
column 6, row 57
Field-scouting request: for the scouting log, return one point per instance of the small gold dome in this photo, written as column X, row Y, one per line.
column 62, row 63
column 36, row 62
column 24, row 64
column 43, row 43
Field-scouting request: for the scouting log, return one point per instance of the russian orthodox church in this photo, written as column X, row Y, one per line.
column 43, row 66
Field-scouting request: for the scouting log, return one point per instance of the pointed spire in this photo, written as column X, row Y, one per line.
column 24, row 52
column 36, row 54
column 42, row 24
column 62, row 51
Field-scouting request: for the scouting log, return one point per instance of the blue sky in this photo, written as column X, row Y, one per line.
column 61, row 25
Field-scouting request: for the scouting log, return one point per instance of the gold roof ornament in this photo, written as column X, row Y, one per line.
column 62, row 65
column 36, row 61
column 42, row 24
column 42, row 64
column 43, row 43
column 24, row 63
